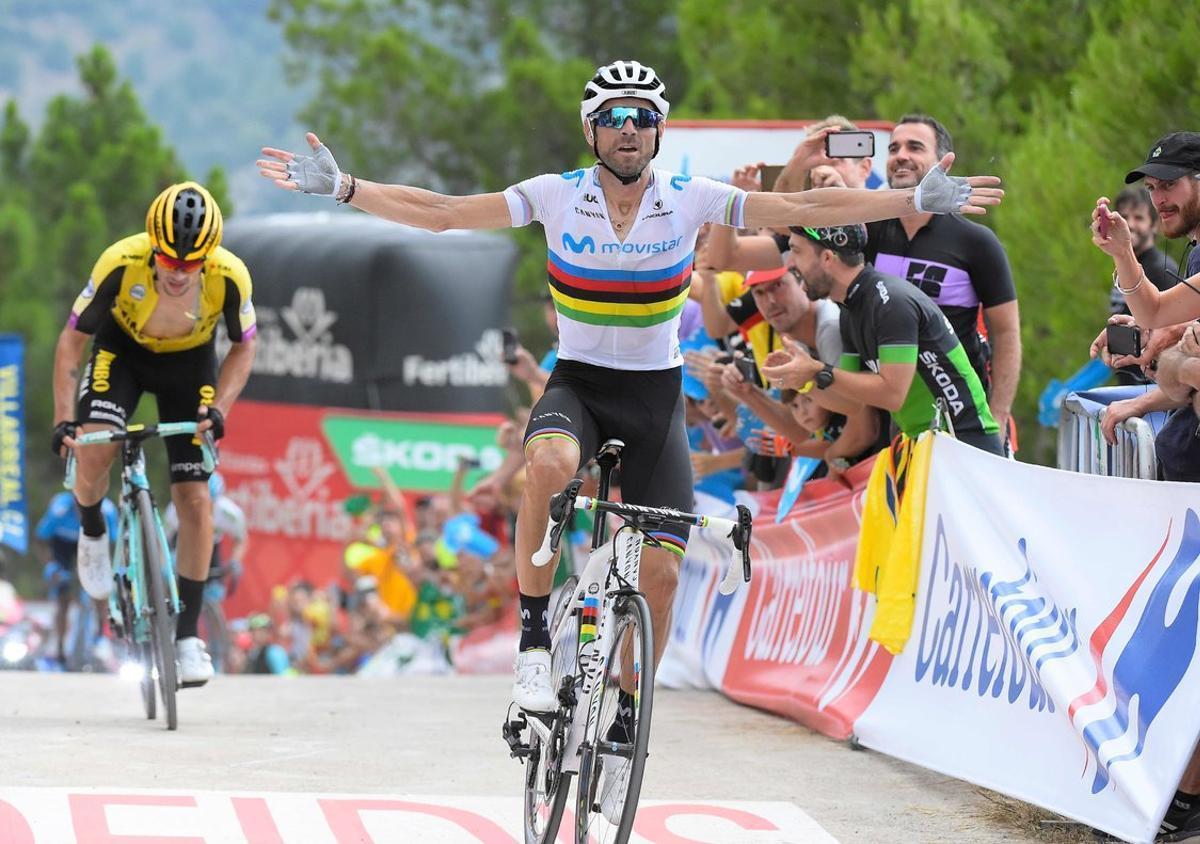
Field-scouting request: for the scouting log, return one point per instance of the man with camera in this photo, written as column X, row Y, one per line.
column 1160, row 325
column 1172, row 175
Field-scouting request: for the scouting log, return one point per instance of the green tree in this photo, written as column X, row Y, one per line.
column 81, row 183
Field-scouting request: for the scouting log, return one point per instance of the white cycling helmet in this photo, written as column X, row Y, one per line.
column 623, row 79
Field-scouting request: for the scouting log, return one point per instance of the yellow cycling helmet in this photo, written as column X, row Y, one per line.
column 184, row 222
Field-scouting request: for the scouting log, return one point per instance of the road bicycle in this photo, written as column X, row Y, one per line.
column 145, row 598
column 602, row 643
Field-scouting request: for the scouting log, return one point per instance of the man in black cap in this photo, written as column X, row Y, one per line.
column 1172, row 174
column 900, row 351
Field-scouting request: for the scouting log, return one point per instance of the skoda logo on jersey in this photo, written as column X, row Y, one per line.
column 678, row 182
column 1116, row 714
column 137, row 293
column 579, row 246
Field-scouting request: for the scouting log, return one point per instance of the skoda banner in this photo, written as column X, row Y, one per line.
column 13, row 517
column 291, row 469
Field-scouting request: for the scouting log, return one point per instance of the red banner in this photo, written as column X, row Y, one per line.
column 801, row 647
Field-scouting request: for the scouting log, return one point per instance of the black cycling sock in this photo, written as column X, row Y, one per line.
column 1185, row 801
column 622, row 726
column 91, row 519
column 535, row 622
column 191, row 596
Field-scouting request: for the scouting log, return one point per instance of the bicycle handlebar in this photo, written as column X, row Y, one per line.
column 140, row 433
column 737, row 531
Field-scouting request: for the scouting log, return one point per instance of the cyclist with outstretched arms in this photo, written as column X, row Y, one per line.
column 621, row 237
column 151, row 309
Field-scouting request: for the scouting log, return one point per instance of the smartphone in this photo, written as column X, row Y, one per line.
column 724, row 359
column 1103, row 221
column 745, row 365
column 509, row 352
column 769, row 173
column 850, row 144
column 1124, row 340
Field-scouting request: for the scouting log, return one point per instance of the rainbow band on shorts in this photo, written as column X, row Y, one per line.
column 551, row 434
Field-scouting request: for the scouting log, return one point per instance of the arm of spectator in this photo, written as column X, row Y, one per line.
column 705, row 463
column 1119, row 411
column 773, row 413
column 886, row 389
column 727, row 250
column 1178, row 374
column 809, row 154
column 1150, row 307
column 395, row 498
column 458, row 487
column 1004, row 333
column 528, row 371
column 717, row 321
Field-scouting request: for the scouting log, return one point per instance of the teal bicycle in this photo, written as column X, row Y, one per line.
column 145, row 598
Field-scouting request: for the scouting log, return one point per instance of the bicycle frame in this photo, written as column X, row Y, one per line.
column 130, row 553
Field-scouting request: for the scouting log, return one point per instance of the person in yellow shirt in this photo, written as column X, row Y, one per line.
column 151, row 308
column 388, row 565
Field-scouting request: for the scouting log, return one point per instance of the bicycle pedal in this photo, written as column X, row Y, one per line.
column 511, row 731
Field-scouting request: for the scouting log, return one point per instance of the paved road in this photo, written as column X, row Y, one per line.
column 275, row 740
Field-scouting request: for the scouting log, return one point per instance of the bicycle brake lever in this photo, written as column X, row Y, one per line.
column 561, row 505
column 745, row 526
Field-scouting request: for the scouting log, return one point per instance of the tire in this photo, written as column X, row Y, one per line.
column 145, row 652
column 215, row 633
column 632, row 616
column 546, row 787
column 162, row 627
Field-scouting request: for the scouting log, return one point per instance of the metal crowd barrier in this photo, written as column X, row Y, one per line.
column 1082, row 448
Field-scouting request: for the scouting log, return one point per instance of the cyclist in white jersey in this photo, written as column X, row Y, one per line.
column 620, row 238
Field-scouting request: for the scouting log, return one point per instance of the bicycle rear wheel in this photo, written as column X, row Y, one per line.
column 546, row 786
column 610, row 771
column 162, row 630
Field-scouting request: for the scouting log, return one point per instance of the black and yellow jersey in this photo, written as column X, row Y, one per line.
column 122, row 287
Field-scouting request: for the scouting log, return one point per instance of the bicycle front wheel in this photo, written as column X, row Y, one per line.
column 546, row 786
column 614, row 755
column 162, row 630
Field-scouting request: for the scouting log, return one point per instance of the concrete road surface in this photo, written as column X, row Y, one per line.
column 277, row 748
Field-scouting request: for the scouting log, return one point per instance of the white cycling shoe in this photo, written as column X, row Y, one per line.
column 95, row 566
column 614, row 784
column 532, row 690
column 195, row 665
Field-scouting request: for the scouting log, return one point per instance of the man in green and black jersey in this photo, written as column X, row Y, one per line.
column 899, row 351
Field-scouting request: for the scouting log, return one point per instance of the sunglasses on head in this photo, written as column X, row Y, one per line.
column 170, row 263
column 615, row 117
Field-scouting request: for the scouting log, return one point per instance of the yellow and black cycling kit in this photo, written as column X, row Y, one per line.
column 122, row 286
column 181, row 372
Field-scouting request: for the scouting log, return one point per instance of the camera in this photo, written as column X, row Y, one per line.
column 468, row 462
column 509, row 345
column 1124, row 340
column 745, row 365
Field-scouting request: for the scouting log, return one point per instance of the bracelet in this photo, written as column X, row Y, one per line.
column 1117, row 284
column 350, row 193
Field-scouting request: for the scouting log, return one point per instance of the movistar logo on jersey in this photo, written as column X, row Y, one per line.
column 615, row 247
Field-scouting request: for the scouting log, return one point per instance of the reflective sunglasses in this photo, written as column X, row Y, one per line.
column 177, row 265
column 615, row 117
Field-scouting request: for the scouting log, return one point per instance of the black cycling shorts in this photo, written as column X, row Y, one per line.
column 644, row 409
column 119, row 371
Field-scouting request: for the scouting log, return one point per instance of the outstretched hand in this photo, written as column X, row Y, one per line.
column 941, row 193
column 316, row 174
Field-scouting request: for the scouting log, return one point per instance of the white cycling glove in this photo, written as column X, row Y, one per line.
column 317, row 174
column 938, row 192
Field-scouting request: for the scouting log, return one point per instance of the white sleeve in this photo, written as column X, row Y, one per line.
column 228, row 518
column 829, row 332
column 712, row 201
column 538, row 198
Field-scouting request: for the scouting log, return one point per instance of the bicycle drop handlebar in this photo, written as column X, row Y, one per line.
column 140, row 433
column 737, row 531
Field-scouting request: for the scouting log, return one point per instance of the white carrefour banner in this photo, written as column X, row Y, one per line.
column 1053, row 650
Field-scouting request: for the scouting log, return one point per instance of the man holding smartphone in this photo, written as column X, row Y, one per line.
column 961, row 266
